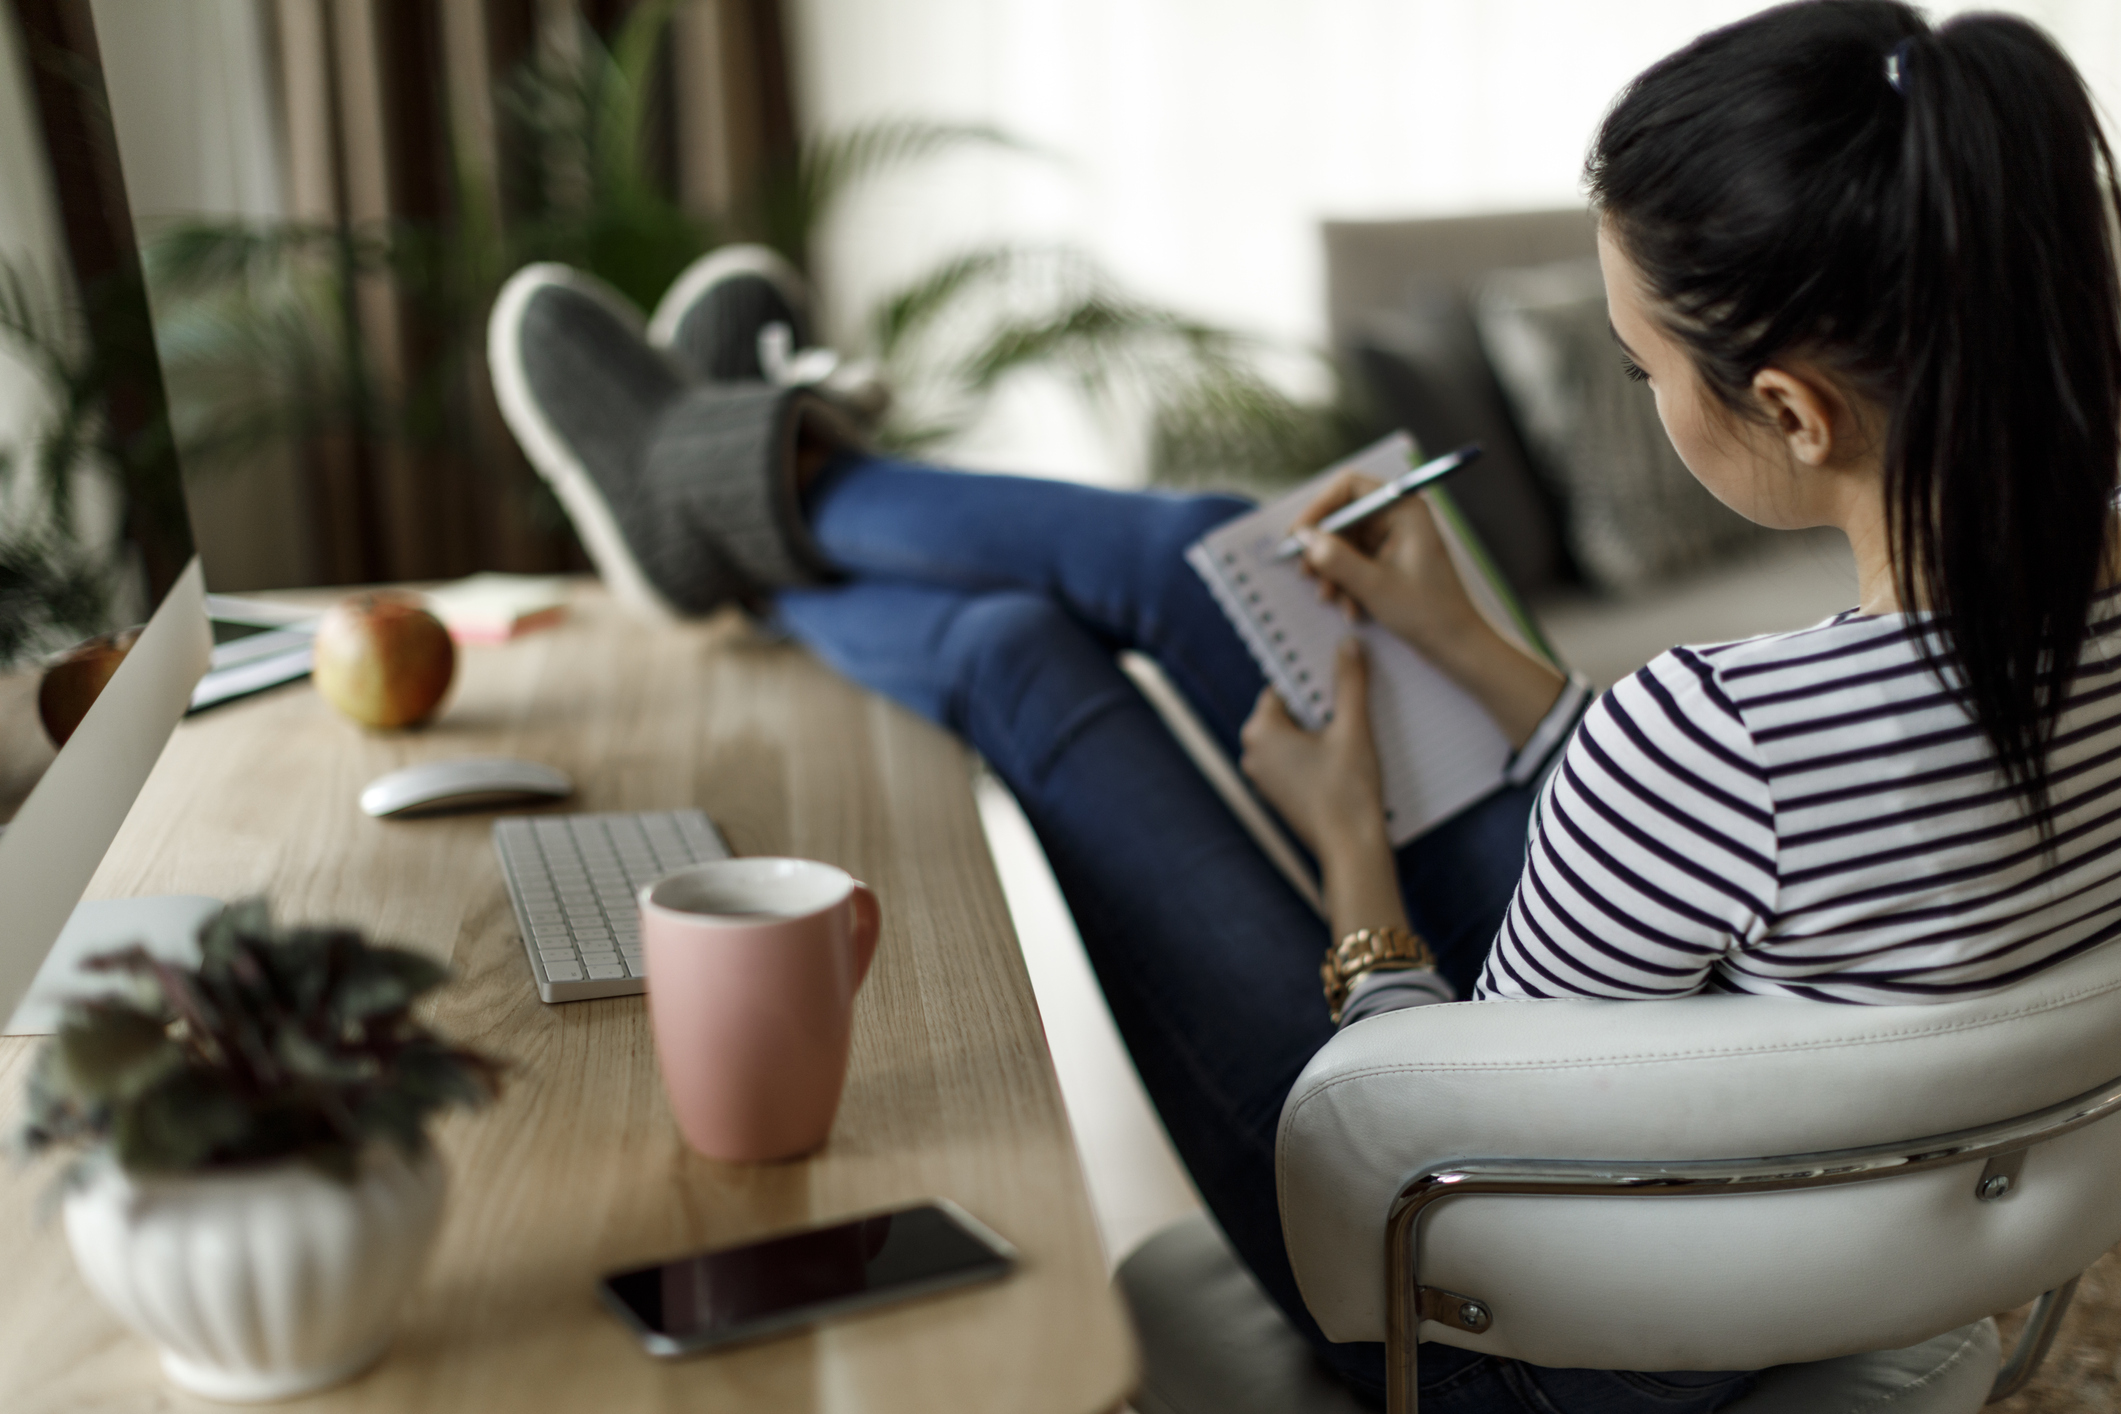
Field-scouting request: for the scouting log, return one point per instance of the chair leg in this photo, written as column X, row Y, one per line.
column 2033, row 1341
column 1402, row 1313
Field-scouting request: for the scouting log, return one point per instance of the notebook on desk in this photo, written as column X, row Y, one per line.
column 1438, row 748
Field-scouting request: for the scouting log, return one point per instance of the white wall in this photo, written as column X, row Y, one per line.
column 1201, row 141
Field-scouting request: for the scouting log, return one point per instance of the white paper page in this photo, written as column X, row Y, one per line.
column 1439, row 749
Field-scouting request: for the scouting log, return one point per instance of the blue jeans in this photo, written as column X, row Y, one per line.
column 995, row 605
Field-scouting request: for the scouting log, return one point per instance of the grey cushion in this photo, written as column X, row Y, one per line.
column 1424, row 369
column 1633, row 513
column 1212, row 1343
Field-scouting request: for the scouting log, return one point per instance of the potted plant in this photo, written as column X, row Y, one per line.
column 253, row 1189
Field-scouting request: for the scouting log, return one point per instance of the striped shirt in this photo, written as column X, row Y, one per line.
column 1813, row 814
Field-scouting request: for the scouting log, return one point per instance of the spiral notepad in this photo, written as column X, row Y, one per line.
column 1438, row 748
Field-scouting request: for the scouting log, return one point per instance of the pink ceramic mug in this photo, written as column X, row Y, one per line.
column 752, row 969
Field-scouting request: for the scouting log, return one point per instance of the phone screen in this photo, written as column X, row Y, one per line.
column 781, row 1283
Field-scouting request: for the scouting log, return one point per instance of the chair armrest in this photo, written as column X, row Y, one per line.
column 1712, row 1076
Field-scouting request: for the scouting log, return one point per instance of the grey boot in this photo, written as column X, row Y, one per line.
column 719, row 466
column 682, row 494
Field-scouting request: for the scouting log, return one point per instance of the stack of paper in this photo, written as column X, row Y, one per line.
column 493, row 608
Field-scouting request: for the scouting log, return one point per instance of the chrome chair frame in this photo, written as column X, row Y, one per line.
column 2002, row 1145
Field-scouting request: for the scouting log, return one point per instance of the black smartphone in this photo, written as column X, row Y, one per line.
column 801, row 1278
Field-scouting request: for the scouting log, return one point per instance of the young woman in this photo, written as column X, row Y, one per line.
column 1866, row 268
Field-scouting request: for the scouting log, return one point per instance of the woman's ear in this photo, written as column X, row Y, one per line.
column 1808, row 414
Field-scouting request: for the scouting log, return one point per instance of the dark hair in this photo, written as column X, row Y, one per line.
column 1941, row 240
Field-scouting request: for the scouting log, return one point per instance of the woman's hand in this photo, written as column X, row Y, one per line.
column 1325, row 783
column 1395, row 567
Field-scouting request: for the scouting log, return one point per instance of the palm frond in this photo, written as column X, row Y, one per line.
column 194, row 255
column 1099, row 337
column 1232, row 429
column 51, row 594
column 625, row 78
column 952, row 338
column 902, row 317
column 37, row 325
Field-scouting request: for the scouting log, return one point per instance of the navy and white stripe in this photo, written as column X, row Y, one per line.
column 1378, row 992
column 1813, row 814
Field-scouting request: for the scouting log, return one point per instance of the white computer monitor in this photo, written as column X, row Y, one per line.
column 64, row 192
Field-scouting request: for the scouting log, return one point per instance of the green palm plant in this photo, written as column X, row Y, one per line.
column 953, row 337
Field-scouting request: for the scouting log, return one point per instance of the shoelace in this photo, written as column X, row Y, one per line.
column 792, row 368
column 856, row 379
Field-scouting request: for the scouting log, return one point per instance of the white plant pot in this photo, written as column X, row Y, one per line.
column 258, row 1283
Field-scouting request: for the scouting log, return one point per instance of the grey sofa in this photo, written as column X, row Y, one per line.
column 1399, row 320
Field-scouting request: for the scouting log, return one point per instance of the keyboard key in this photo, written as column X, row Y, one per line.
column 575, row 880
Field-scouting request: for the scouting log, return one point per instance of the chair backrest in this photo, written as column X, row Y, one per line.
column 1724, row 1282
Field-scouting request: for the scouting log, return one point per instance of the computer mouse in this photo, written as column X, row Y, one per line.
column 467, row 783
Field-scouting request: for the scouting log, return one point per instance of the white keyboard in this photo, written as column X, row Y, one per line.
column 575, row 882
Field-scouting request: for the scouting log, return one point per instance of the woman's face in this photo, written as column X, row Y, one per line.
column 1742, row 462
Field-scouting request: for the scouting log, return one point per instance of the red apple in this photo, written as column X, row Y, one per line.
column 383, row 660
column 74, row 680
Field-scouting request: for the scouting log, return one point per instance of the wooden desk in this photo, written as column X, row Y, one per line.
column 579, row 1168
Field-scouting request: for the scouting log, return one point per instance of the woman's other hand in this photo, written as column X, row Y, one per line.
column 1327, row 786
column 1325, row 783
column 1395, row 567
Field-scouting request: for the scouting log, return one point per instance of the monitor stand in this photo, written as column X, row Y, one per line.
column 167, row 924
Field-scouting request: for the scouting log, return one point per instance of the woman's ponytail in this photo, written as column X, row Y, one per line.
column 2001, row 461
column 1931, row 214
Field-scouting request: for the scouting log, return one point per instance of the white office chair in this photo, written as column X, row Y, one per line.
column 1580, row 1184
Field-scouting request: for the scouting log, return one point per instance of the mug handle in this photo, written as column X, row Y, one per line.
column 868, row 925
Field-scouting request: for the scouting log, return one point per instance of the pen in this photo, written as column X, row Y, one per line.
column 1397, row 488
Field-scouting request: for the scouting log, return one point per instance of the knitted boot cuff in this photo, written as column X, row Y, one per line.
column 720, row 473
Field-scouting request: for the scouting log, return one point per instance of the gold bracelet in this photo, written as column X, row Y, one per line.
column 1369, row 950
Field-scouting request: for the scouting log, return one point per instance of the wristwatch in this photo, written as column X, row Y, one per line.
column 1366, row 950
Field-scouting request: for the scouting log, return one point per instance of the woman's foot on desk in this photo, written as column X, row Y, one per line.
column 683, row 493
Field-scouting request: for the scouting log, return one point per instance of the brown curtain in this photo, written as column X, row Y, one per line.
column 381, row 99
